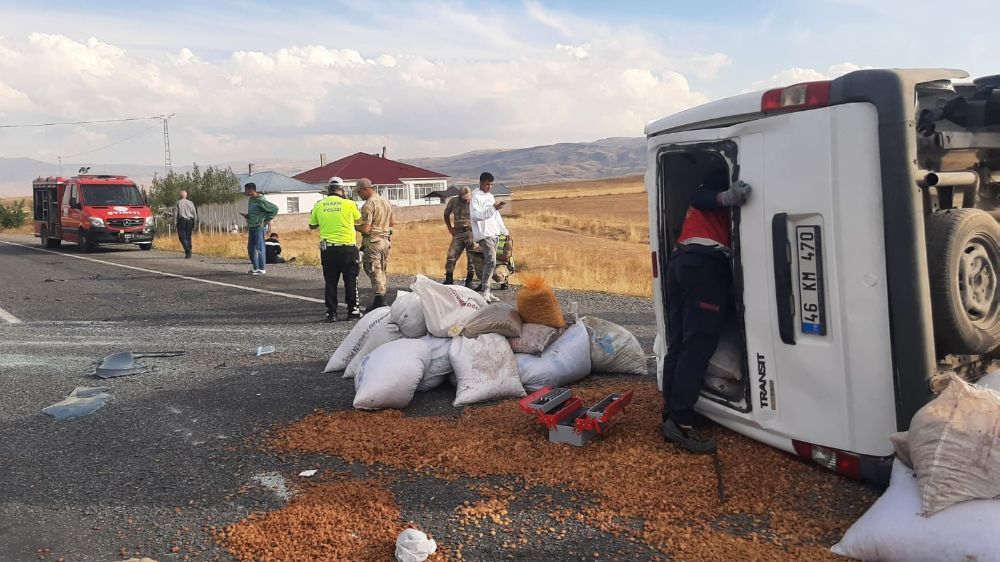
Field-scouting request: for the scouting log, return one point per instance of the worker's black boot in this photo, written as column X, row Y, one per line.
column 687, row 438
column 379, row 302
column 468, row 280
column 449, row 279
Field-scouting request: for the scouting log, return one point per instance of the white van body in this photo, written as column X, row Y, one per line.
column 833, row 308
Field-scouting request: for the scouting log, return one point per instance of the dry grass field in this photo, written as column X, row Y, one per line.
column 577, row 235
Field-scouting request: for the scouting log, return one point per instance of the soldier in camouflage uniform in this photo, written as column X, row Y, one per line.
column 375, row 228
column 456, row 218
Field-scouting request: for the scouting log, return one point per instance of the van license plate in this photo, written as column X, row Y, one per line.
column 808, row 243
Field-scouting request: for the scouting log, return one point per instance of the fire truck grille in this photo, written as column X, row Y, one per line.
column 125, row 223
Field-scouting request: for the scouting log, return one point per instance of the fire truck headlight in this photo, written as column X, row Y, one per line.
column 150, row 221
column 96, row 221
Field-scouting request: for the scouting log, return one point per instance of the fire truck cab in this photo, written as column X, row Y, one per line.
column 91, row 209
column 865, row 262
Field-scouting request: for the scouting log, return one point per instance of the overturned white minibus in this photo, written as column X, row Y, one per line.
column 865, row 261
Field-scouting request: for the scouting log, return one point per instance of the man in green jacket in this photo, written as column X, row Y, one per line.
column 260, row 211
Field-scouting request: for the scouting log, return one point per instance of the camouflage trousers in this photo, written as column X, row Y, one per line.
column 374, row 259
column 460, row 242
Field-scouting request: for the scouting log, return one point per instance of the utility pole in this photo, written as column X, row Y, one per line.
column 167, row 166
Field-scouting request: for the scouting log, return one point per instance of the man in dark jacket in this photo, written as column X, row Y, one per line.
column 698, row 283
column 272, row 249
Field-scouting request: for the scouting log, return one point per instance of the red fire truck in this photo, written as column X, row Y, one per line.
column 90, row 210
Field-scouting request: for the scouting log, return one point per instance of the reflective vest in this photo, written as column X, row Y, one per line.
column 706, row 227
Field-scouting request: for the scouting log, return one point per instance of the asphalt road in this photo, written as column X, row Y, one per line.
column 171, row 451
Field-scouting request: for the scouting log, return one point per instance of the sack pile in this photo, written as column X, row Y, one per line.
column 488, row 351
column 939, row 509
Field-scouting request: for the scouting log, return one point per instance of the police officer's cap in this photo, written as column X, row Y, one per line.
column 335, row 184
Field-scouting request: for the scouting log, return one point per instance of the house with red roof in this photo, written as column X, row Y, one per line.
column 402, row 184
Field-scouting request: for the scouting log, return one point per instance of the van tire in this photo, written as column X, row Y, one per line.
column 47, row 241
column 85, row 243
column 963, row 258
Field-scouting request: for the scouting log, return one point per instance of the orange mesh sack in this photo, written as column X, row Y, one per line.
column 537, row 304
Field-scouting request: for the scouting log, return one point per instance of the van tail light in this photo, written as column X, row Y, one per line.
column 807, row 95
column 656, row 266
column 841, row 462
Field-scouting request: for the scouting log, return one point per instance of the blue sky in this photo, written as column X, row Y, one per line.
column 249, row 79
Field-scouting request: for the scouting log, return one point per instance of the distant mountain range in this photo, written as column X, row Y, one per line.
column 606, row 158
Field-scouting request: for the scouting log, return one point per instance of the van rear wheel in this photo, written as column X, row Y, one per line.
column 963, row 254
column 46, row 240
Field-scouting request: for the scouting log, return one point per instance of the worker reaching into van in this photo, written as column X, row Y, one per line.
column 699, row 280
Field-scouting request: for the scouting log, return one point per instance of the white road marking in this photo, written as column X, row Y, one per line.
column 164, row 273
column 8, row 317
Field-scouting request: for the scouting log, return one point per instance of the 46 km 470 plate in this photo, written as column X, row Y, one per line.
column 812, row 309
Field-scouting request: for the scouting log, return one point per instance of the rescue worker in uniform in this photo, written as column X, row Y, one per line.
column 456, row 218
column 335, row 216
column 698, row 283
column 375, row 228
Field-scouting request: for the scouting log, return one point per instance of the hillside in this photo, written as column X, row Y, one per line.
column 612, row 157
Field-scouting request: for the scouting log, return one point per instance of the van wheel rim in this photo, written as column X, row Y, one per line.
column 977, row 278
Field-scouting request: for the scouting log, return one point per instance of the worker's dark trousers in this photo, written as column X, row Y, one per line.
column 184, row 229
column 697, row 294
column 337, row 261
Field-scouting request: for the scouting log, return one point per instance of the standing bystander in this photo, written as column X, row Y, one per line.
column 260, row 211
column 456, row 218
column 335, row 216
column 186, row 215
column 487, row 226
column 376, row 230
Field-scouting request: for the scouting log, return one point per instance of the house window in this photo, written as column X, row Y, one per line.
column 394, row 192
column 420, row 190
column 293, row 205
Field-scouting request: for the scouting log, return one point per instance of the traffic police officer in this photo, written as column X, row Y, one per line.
column 335, row 216
column 699, row 279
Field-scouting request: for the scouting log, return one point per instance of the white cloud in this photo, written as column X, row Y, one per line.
column 796, row 75
column 307, row 97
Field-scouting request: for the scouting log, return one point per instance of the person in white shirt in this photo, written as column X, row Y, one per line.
column 487, row 226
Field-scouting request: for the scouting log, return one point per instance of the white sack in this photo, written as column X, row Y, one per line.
column 534, row 338
column 446, row 307
column 356, row 339
column 893, row 531
column 414, row 546
column 440, row 366
column 497, row 318
column 407, row 313
column 726, row 363
column 388, row 376
column 485, row 369
column 990, row 381
column 380, row 335
column 614, row 349
column 954, row 444
column 565, row 362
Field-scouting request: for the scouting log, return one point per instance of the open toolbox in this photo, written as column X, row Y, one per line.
column 568, row 420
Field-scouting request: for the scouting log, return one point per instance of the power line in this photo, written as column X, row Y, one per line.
column 81, row 122
column 130, row 137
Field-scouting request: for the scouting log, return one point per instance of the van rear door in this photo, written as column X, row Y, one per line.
column 813, row 267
